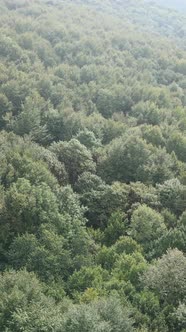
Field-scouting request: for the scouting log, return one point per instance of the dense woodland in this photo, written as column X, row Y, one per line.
column 92, row 166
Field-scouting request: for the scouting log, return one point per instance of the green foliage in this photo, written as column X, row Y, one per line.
column 180, row 315
column 92, row 166
column 131, row 159
column 102, row 316
column 171, row 289
column 126, row 244
column 116, row 227
column 88, row 139
column 47, row 256
column 101, row 199
column 87, row 277
column 76, row 158
column 172, row 195
column 24, row 306
column 147, row 225
column 27, row 206
column 129, row 267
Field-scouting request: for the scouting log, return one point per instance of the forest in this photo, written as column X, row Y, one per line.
column 92, row 166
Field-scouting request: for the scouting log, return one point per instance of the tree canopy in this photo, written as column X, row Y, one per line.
column 92, row 166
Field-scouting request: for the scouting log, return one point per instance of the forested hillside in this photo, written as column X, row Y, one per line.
column 92, row 166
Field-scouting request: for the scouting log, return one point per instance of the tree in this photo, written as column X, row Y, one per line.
column 147, row 225
column 116, row 227
column 180, row 315
column 167, row 277
column 47, row 255
column 101, row 199
column 147, row 112
column 30, row 119
column 76, row 158
column 23, row 305
column 87, row 277
column 177, row 143
column 126, row 244
column 101, row 316
column 124, row 161
column 128, row 267
column 5, row 107
column 149, row 306
column 113, row 100
column 162, row 166
column 153, row 135
column 88, row 139
column 26, row 207
column 172, row 195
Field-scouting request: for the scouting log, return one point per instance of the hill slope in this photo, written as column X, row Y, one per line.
column 92, row 166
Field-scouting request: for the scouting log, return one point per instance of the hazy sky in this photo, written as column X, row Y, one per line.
column 178, row 4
